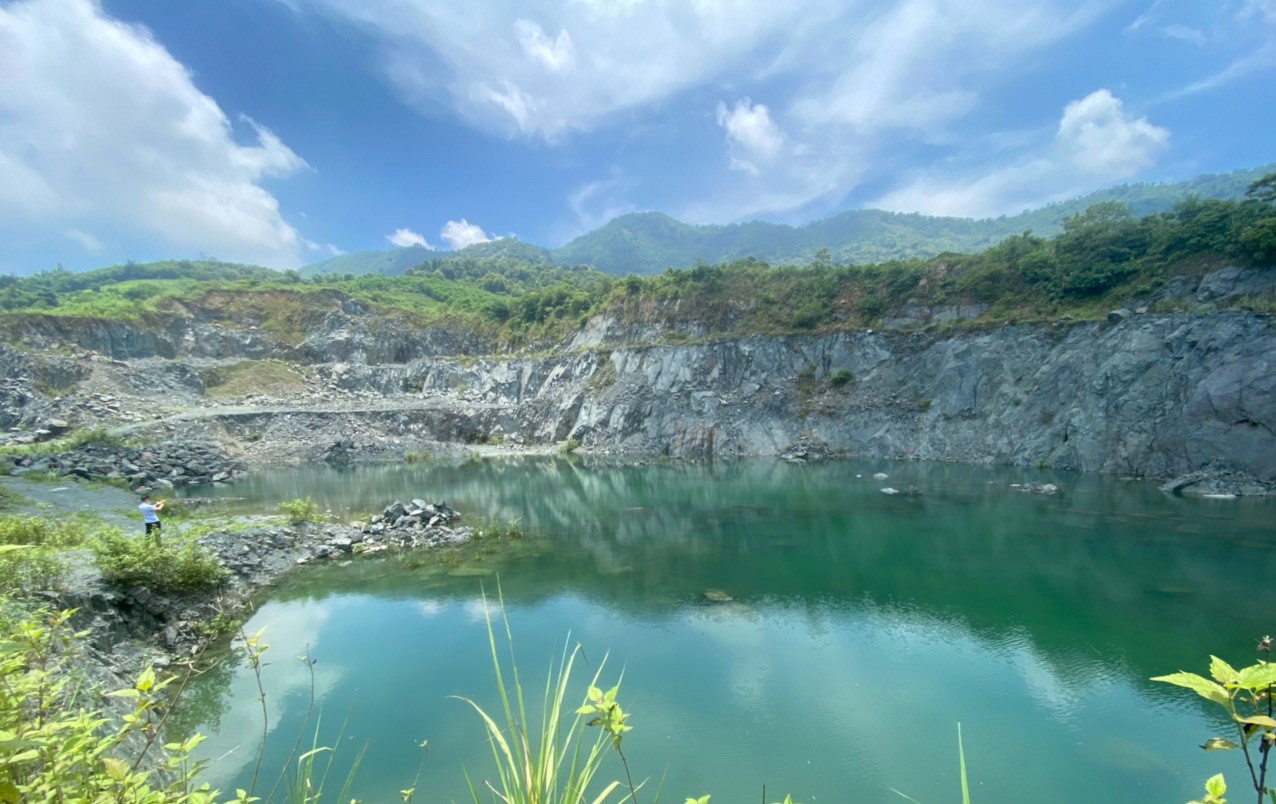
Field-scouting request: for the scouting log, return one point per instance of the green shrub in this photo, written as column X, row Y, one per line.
column 302, row 509
column 841, row 377
column 418, row 456
column 10, row 499
column 568, row 447
column 25, row 569
column 137, row 561
column 41, row 532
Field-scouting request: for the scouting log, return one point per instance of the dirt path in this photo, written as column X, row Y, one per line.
column 114, row 506
column 213, row 412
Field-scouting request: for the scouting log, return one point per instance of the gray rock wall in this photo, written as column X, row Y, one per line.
column 1153, row 395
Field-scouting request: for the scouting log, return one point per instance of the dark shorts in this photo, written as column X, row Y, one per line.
column 150, row 526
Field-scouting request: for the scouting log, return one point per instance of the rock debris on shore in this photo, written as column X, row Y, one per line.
column 154, row 469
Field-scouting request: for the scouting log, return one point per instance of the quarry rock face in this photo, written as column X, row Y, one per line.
column 1140, row 394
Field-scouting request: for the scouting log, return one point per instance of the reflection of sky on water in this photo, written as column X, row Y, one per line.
column 803, row 701
column 863, row 628
column 290, row 630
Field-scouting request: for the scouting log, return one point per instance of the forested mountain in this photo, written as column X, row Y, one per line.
column 389, row 263
column 649, row 242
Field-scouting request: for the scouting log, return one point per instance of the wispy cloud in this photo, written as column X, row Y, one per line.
column 1263, row 58
column 902, row 74
column 594, row 203
column 86, row 241
column 547, row 70
column 99, row 122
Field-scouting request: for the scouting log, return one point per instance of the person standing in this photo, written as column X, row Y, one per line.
column 150, row 516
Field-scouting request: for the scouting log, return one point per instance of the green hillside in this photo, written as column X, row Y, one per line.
column 650, row 242
column 388, row 263
column 1102, row 258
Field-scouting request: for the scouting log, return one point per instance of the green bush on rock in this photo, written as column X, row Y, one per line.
column 127, row 561
column 301, row 510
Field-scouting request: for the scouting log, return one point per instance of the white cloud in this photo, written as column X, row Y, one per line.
column 1097, row 143
column 87, row 241
column 100, row 124
column 462, row 233
column 576, row 64
column 404, row 238
column 753, row 139
column 1101, row 138
column 858, row 79
column 899, row 73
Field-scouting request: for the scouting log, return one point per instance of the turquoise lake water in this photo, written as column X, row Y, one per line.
column 862, row 628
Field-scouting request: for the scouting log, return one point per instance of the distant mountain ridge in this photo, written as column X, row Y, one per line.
column 650, row 242
column 390, row 262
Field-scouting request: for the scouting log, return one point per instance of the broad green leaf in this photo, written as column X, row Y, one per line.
column 1257, row 677
column 1216, row 787
column 1219, row 744
column 117, row 769
column 1258, row 720
column 124, row 694
column 146, row 680
column 9, row 793
column 1201, row 686
column 17, row 745
column 1223, row 672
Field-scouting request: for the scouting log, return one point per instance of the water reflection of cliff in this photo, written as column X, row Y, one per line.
column 1105, row 571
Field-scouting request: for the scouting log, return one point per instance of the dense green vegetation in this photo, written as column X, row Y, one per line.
column 649, row 242
column 52, row 288
column 1104, row 255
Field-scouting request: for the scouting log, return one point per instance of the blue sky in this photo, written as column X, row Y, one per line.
column 282, row 132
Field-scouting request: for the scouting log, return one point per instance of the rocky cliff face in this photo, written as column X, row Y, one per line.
column 1147, row 396
column 1142, row 394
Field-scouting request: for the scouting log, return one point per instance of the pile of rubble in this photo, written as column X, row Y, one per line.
column 155, row 469
column 413, row 524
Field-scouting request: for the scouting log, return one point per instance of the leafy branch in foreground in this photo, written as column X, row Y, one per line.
column 1246, row 696
column 50, row 751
